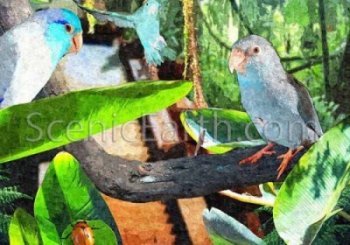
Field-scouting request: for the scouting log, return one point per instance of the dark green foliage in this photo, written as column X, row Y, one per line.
column 8, row 196
column 327, row 112
column 171, row 20
column 216, row 25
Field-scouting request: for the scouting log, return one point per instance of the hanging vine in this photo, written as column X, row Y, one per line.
column 191, row 53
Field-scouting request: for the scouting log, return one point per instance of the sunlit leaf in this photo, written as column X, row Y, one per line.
column 65, row 197
column 40, row 1
column 91, row 19
column 24, row 229
column 296, row 12
column 49, row 123
column 310, row 193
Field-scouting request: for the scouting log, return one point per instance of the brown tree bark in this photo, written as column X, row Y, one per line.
column 175, row 178
column 341, row 92
column 325, row 49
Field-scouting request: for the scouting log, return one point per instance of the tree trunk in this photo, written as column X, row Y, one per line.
column 341, row 92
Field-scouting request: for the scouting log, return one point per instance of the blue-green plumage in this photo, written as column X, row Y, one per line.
column 145, row 21
column 56, row 35
column 30, row 52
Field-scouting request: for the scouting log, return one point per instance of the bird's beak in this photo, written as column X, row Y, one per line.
column 77, row 43
column 237, row 60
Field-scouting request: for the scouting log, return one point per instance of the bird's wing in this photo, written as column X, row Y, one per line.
column 305, row 106
column 25, row 65
column 121, row 20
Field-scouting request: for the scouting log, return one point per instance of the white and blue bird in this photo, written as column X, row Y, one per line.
column 31, row 51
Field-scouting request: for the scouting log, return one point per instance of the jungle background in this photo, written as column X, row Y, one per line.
column 313, row 41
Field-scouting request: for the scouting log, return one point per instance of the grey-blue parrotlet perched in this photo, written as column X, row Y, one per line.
column 31, row 51
column 279, row 106
column 145, row 20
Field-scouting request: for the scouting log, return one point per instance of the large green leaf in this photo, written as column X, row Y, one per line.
column 310, row 193
column 65, row 197
column 224, row 129
column 49, row 123
column 24, row 229
column 225, row 230
column 102, row 233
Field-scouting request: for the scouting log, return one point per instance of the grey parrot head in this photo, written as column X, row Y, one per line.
column 253, row 51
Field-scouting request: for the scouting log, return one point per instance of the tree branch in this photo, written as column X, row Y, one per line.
column 311, row 63
column 177, row 178
column 325, row 50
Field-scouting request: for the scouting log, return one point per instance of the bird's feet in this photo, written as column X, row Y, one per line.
column 267, row 150
column 286, row 158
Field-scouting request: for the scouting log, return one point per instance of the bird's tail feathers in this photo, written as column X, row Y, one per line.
column 153, row 57
column 169, row 53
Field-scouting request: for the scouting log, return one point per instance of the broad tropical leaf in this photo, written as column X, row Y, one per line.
column 52, row 122
column 24, row 229
column 65, row 197
column 225, row 230
column 310, row 193
column 224, row 129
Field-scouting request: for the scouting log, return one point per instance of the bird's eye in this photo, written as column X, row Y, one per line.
column 256, row 50
column 69, row 28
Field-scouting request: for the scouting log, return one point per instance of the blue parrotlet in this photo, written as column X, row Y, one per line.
column 31, row 51
column 279, row 106
column 145, row 20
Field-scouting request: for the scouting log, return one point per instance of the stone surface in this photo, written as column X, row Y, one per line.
column 93, row 66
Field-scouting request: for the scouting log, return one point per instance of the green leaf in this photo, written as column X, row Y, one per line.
column 268, row 191
column 224, row 129
column 24, row 229
column 102, row 233
column 310, row 193
column 49, row 123
column 9, row 195
column 224, row 229
column 40, row 1
column 67, row 196
column 296, row 12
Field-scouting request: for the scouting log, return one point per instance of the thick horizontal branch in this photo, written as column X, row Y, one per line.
column 177, row 178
